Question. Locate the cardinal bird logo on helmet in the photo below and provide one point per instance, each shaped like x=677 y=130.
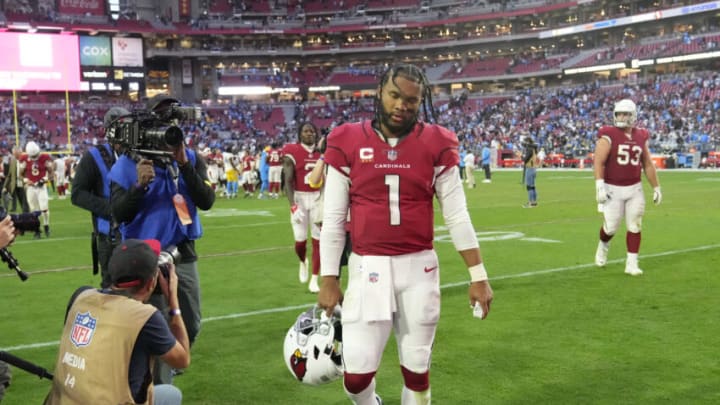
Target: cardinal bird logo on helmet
x=298 y=363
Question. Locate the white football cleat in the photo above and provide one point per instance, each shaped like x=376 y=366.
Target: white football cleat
x=601 y=254
x=633 y=269
x=378 y=399
x=303 y=271
x=313 y=286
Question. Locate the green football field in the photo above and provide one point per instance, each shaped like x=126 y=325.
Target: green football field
x=561 y=331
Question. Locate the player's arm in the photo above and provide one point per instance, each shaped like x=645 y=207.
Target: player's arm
x=451 y=196
x=332 y=237
x=651 y=174
x=288 y=173
x=649 y=167
x=317 y=175
x=600 y=156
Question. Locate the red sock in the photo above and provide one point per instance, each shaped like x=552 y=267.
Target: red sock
x=316 y=257
x=633 y=242
x=603 y=236
x=301 y=250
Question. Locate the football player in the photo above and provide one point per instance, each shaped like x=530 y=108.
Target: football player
x=274 y=160
x=621 y=154
x=37 y=169
x=299 y=159
x=386 y=172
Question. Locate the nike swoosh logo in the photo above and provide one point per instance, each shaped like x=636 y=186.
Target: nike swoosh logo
x=429 y=269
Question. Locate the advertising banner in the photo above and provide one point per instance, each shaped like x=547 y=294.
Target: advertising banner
x=81 y=7
x=95 y=51
x=127 y=52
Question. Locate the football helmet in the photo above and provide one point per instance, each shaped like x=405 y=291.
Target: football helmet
x=313 y=347
x=625 y=106
x=32 y=149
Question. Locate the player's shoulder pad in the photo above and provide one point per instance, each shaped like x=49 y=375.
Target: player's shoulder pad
x=343 y=134
x=438 y=135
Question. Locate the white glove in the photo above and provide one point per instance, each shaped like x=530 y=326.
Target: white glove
x=296 y=214
x=657 y=195
x=601 y=194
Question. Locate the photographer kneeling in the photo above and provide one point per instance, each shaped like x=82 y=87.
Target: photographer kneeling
x=157 y=188
x=111 y=335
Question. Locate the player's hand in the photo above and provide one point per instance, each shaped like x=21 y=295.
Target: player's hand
x=297 y=215
x=480 y=293
x=330 y=294
x=601 y=194
x=145 y=172
x=657 y=195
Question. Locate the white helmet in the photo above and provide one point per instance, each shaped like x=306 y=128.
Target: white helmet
x=32 y=149
x=313 y=347
x=625 y=106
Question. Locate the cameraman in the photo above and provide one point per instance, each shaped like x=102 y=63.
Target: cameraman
x=91 y=191
x=158 y=198
x=111 y=335
x=7 y=234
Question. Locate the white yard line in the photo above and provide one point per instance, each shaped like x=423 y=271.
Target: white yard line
x=449 y=285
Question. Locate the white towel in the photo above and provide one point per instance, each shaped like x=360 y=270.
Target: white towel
x=378 y=292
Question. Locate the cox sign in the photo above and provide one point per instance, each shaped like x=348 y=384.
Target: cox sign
x=95 y=51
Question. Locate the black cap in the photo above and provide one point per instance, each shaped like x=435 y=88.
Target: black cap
x=133 y=262
x=160 y=102
x=113 y=114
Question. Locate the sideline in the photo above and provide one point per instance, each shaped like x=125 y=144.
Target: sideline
x=444 y=286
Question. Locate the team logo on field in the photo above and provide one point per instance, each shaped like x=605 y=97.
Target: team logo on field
x=392 y=155
x=373 y=277
x=298 y=363
x=83 y=329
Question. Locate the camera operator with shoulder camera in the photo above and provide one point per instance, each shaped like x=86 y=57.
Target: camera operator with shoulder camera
x=7 y=234
x=157 y=187
x=91 y=191
x=111 y=335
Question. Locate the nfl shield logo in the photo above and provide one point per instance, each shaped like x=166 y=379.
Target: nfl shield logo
x=392 y=154
x=83 y=329
x=373 y=277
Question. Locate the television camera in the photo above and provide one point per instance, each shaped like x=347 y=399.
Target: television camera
x=151 y=132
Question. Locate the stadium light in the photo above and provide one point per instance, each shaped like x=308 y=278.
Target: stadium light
x=590 y=69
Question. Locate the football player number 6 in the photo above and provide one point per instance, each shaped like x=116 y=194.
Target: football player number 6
x=392 y=181
x=628 y=154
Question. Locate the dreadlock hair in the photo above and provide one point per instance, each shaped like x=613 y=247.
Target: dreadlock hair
x=302 y=125
x=414 y=74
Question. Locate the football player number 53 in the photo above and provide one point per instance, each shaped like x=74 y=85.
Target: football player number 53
x=392 y=181
x=628 y=154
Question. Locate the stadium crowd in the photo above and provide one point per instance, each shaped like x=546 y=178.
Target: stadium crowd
x=681 y=112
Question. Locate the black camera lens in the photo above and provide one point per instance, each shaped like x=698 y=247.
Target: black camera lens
x=168 y=135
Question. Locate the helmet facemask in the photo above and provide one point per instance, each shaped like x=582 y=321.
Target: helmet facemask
x=313 y=347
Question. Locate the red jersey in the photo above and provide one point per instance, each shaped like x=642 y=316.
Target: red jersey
x=274 y=157
x=304 y=161
x=624 y=163
x=36 y=169
x=248 y=163
x=391 y=188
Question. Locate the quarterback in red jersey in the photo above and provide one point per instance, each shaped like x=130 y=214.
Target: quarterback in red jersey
x=37 y=169
x=386 y=173
x=621 y=154
x=299 y=159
